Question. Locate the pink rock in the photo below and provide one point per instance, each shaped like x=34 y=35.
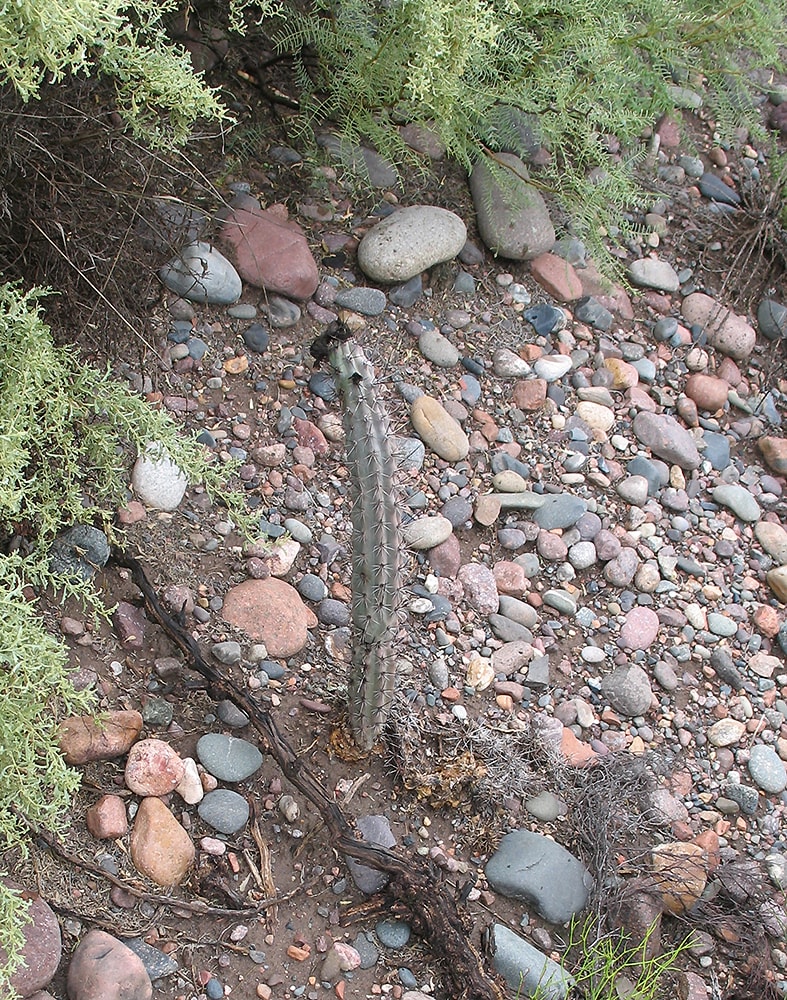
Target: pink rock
x=730 y=372
x=691 y=987
x=42 y=946
x=310 y=436
x=551 y=547
x=103 y=968
x=510 y=579
x=153 y=768
x=160 y=847
x=557 y=276
x=639 y=629
x=272 y=612
x=133 y=512
x=270 y=252
x=84 y=739
x=640 y=398
x=480 y=588
x=708 y=393
x=530 y=394
x=774 y=451
x=129 y=623
x=106 y=819
x=669 y=133
x=726 y=331
x=446 y=558
x=607 y=545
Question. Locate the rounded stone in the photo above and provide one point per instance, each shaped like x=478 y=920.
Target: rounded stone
x=227 y=757
x=160 y=847
x=628 y=690
x=409 y=241
x=224 y=810
x=739 y=500
x=438 y=349
x=438 y=429
x=640 y=628
x=157 y=480
x=272 y=612
x=103 y=968
x=426 y=532
x=725 y=732
x=41 y=948
x=726 y=331
x=650 y=272
x=392 y=933
x=153 y=768
x=708 y=393
x=767 y=769
x=201 y=274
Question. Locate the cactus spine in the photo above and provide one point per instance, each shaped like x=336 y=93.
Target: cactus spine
x=375 y=545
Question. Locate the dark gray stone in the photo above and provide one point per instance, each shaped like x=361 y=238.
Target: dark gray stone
x=767 y=769
x=157 y=964
x=227 y=757
x=224 y=810
x=80 y=551
x=717 y=450
x=559 y=510
x=713 y=187
x=526 y=969
x=374 y=830
x=772 y=319
x=408 y=294
x=392 y=933
x=529 y=867
x=589 y=310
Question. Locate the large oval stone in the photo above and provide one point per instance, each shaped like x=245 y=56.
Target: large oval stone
x=409 y=241
x=160 y=847
x=201 y=274
x=725 y=330
x=103 y=968
x=513 y=218
x=438 y=429
x=272 y=612
x=41 y=950
x=84 y=739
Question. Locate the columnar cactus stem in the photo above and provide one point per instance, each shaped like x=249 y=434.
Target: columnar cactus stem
x=375 y=545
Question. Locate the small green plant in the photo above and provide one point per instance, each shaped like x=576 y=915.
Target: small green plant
x=604 y=965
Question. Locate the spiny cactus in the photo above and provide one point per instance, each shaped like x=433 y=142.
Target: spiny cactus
x=375 y=539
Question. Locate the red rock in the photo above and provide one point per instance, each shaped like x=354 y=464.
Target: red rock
x=574 y=751
x=129 y=622
x=103 y=968
x=269 y=251
x=730 y=372
x=42 y=946
x=106 y=819
x=708 y=393
x=272 y=612
x=669 y=133
x=153 y=768
x=446 y=558
x=774 y=451
x=160 y=847
x=557 y=276
x=510 y=579
x=84 y=739
x=551 y=547
x=640 y=398
x=310 y=436
x=529 y=394
x=766 y=619
x=133 y=512
x=708 y=840
x=639 y=629
x=691 y=987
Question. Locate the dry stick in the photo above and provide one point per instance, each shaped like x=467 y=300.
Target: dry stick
x=433 y=912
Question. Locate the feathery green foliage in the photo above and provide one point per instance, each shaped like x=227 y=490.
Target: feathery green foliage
x=584 y=69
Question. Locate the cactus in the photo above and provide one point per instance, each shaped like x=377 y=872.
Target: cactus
x=375 y=541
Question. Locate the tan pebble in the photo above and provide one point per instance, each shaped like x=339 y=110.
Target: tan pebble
x=681 y=874
x=236 y=366
x=264 y=992
x=505 y=702
x=299 y=954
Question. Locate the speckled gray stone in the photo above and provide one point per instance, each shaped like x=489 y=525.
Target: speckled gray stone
x=224 y=810
x=767 y=769
x=227 y=757
x=526 y=969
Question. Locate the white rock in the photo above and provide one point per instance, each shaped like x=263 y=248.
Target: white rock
x=552 y=367
x=157 y=480
x=201 y=274
x=426 y=532
x=190 y=788
x=409 y=241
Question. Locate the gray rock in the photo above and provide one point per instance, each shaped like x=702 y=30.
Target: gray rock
x=559 y=510
x=561 y=600
x=80 y=551
x=409 y=241
x=408 y=294
x=513 y=219
x=426 y=532
x=224 y=810
x=438 y=349
x=392 y=933
x=744 y=796
x=628 y=690
x=582 y=555
x=767 y=769
x=201 y=274
x=366 y=949
x=656 y=473
x=518 y=611
x=507 y=630
x=281 y=312
x=231 y=715
x=529 y=867
x=374 y=830
x=157 y=480
x=772 y=319
x=526 y=969
x=713 y=187
x=507 y=364
x=366 y=301
x=546 y=807
x=738 y=499
x=364 y=162
x=298 y=530
x=589 y=310
x=408 y=453
x=717 y=450
x=458 y=510
x=157 y=964
x=333 y=612
x=552 y=367
x=227 y=757
x=228 y=653
x=722 y=663
x=667 y=439
x=312 y=588
x=722 y=625
x=649 y=272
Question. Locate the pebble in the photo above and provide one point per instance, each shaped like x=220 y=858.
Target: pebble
x=438 y=349
x=409 y=241
x=392 y=933
x=366 y=301
x=739 y=500
x=224 y=810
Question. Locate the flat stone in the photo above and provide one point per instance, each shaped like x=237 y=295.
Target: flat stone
x=767 y=769
x=157 y=964
x=438 y=349
x=557 y=276
x=201 y=274
x=681 y=874
x=392 y=933
x=272 y=612
x=270 y=251
x=409 y=241
x=650 y=272
x=512 y=216
x=546 y=807
x=507 y=364
x=374 y=830
x=224 y=810
x=530 y=395
x=722 y=625
x=103 y=968
x=366 y=301
x=438 y=429
x=526 y=970
x=726 y=732
x=773 y=538
x=589 y=310
x=628 y=690
x=84 y=739
x=726 y=331
x=713 y=187
x=559 y=510
x=227 y=757
x=772 y=319
x=739 y=500
x=426 y=532
x=532 y=868
x=667 y=439
x=552 y=367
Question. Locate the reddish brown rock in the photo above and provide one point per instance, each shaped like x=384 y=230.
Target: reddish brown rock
x=708 y=841
x=691 y=986
x=272 y=612
x=42 y=946
x=130 y=623
x=160 y=847
x=574 y=751
x=446 y=558
x=269 y=251
x=625 y=376
x=510 y=579
x=688 y=412
x=730 y=372
x=681 y=873
x=669 y=133
x=766 y=619
x=84 y=739
x=153 y=768
x=310 y=436
x=106 y=819
x=480 y=589
x=774 y=451
x=557 y=276
x=529 y=394
x=708 y=393
x=103 y=968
